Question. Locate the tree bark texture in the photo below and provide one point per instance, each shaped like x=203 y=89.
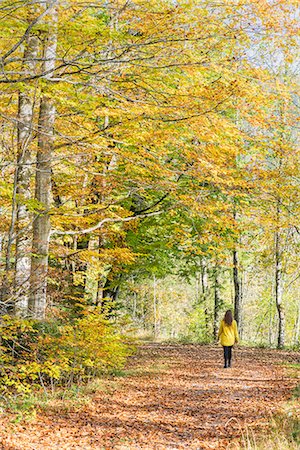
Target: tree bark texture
x=279 y=292
x=41 y=224
x=155 y=321
x=23 y=192
x=205 y=291
x=216 y=302
x=237 y=287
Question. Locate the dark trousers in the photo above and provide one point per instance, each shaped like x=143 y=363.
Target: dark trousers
x=227 y=355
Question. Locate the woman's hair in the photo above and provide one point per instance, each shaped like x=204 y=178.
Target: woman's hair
x=228 y=317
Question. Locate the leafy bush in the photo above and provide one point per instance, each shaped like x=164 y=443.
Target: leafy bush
x=47 y=353
x=296 y=391
x=197 y=330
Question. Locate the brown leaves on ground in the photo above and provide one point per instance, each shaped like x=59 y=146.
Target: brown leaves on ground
x=175 y=397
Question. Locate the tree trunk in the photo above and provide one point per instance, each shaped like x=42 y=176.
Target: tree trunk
x=297 y=326
x=237 y=287
x=216 y=302
x=99 y=297
x=41 y=224
x=1 y=239
x=236 y=279
x=279 y=292
x=23 y=240
x=5 y=292
x=134 y=305
x=270 y=334
x=111 y=291
x=155 y=322
x=204 y=288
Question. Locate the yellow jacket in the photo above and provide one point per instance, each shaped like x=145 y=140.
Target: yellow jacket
x=228 y=334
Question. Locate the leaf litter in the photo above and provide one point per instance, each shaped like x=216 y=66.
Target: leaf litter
x=173 y=397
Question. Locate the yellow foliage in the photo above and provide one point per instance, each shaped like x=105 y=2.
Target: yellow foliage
x=44 y=353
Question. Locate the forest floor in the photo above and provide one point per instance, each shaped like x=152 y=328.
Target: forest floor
x=169 y=397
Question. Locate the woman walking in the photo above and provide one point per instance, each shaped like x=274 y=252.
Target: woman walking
x=228 y=335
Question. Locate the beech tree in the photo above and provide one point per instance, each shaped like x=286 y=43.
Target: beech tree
x=23 y=178
x=129 y=125
x=41 y=222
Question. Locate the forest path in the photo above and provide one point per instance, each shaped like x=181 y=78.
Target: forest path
x=173 y=397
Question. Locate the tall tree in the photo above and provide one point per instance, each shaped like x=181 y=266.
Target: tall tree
x=41 y=223
x=27 y=98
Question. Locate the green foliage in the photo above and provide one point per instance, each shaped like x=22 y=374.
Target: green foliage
x=198 y=330
x=45 y=354
x=296 y=391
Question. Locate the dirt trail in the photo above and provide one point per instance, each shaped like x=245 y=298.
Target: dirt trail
x=176 y=397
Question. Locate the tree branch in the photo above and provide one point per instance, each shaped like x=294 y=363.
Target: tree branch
x=29 y=28
x=101 y=224
x=154 y=204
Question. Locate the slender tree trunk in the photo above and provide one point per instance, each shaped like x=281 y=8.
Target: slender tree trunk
x=99 y=297
x=237 y=287
x=89 y=273
x=155 y=323
x=5 y=287
x=271 y=318
x=24 y=170
x=297 y=326
x=216 y=302
x=279 y=292
x=1 y=239
x=204 y=288
x=197 y=287
x=134 y=305
x=242 y=294
x=1 y=257
x=41 y=225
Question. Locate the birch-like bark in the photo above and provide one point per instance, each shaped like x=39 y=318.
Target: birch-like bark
x=134 y=305
x=5 y=286
x=41 y=224
x=155 y=321
x=23 y=175
x=271 y=334
x=279 y=292
x=204 y=289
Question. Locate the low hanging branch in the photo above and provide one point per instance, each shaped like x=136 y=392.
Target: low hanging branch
x=102 y=223
x=28 y=30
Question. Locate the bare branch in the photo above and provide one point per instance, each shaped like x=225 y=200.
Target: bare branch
x=102 y=223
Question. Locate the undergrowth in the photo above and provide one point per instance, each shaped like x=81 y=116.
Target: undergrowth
x=49 y=360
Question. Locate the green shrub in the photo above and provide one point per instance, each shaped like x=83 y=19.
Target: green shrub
x=296 y=392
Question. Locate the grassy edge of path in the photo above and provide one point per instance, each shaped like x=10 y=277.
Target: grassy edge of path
x=284 y=427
